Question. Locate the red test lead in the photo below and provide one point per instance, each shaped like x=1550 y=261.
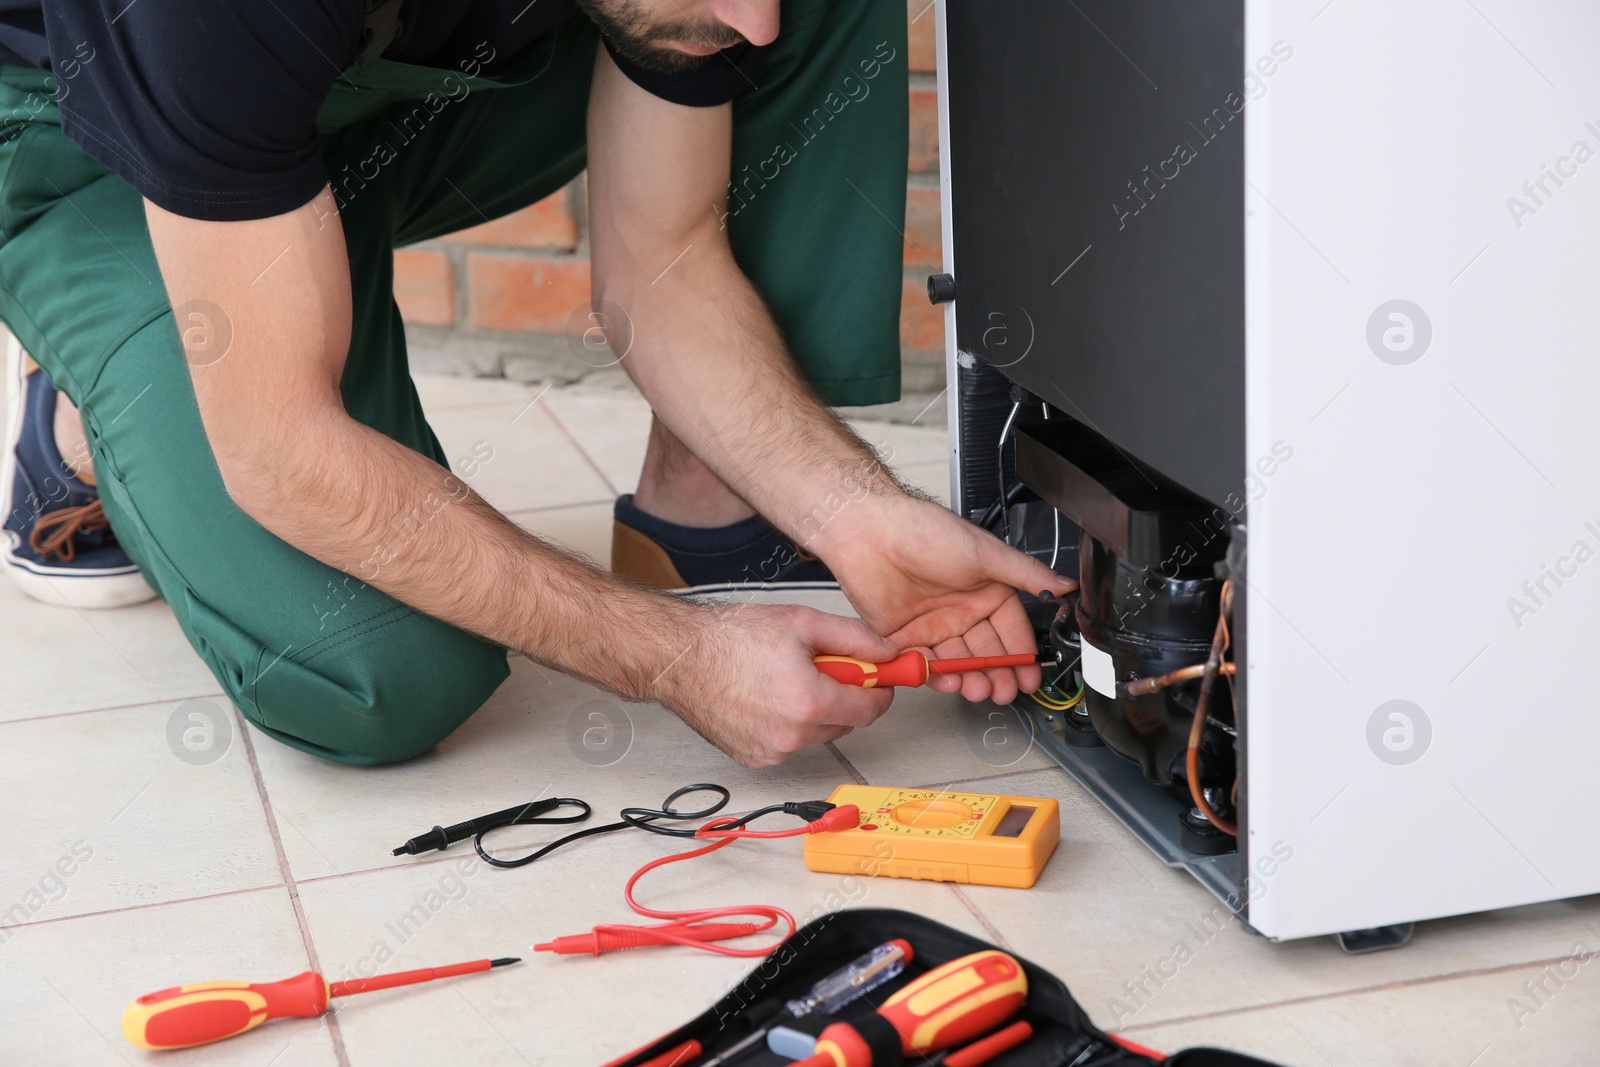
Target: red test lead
x=696 y=928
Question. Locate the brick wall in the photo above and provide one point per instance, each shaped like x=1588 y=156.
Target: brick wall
x=511 y=284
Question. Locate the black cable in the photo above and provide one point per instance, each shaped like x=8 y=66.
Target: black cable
x=1000 y=463
x=636 y=818
x=631 y=818
x=991 y=516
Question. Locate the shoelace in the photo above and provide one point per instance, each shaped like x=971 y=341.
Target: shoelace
x=53 y=533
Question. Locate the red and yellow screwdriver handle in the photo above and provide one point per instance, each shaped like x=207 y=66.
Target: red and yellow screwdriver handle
x=196 y=1014
x=945 y=1007
x=910 y=667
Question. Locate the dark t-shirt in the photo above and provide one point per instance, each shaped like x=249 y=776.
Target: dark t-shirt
x=209 y=109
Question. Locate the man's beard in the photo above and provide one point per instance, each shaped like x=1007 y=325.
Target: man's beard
x=633 y=34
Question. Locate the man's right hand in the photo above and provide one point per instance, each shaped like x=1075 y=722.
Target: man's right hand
x=745 y=680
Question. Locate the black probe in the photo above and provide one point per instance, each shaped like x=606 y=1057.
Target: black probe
x=444 y=836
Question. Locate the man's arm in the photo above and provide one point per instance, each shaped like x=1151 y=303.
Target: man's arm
x=710 y=359
x=293 y=459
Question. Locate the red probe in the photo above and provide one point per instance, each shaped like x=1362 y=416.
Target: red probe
x=910 y=667
x=691 y=928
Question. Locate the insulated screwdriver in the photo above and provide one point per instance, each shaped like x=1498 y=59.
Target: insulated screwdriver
x=947 y=1006
x=828 y=995
x=910 y=667
x=202 y=1012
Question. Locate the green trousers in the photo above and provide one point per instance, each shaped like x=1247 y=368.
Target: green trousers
x=308 y=654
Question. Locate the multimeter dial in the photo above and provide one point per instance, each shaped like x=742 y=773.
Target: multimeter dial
x=929 y=813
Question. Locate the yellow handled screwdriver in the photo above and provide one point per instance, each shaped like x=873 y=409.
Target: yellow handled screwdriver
x=202 y=1012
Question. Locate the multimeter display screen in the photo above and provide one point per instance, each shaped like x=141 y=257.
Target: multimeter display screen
x=1012 y=822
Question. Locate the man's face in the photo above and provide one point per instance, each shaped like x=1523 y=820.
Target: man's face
x=674 y=35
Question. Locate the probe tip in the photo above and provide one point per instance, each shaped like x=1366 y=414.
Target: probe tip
x=505 y=960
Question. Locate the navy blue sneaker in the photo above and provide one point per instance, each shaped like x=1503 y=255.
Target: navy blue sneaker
x=59 y=547
x=746 y=556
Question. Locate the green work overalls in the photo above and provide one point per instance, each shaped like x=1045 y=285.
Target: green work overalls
x=819 y=165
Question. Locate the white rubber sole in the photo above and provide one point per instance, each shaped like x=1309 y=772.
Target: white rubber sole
x=98 y=590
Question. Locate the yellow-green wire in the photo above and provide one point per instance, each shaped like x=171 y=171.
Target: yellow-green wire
x=1056 y=705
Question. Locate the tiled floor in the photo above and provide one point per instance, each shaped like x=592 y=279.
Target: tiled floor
x=128 y=869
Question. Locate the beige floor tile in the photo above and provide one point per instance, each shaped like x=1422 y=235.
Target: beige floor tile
x=517 y=457
x=1458 y=1022
x=542 y=734
x=560 y=1010
x=57 y=659
x=1139 y=943
x=65 y=984
x=901 y=445
x=611 y=426
x=933 y=738
x=583 y=528
x=105 y=795
x=445 y=392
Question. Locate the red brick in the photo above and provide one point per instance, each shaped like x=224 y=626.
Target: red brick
x=921 y=323
x=547 y=224
x=424 y=287
x=920 y=14
x=923 y=236
x=924 y=132
x=536 y=293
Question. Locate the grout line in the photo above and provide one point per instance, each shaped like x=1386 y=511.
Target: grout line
x=860 y=778
x=562 y=426
x=289 y=882
x=113 y=707
x=440 y=407
x=947 y=784
x=1311 y=998
x=445 y=856
x=542 y=509
x=143 y=907
x=983 y=920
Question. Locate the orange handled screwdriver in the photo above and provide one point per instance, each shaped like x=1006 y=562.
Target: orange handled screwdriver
x=945 y=1007
x=203 y=1012
x=910 y=668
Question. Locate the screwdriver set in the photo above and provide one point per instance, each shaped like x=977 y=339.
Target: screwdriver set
x=953 y=1001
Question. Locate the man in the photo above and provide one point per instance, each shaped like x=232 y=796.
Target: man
x=198 y=208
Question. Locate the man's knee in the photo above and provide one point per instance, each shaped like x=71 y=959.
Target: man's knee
x=389 y=693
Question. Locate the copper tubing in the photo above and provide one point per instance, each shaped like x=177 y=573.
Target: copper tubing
x=1142 y=686
x=1212 y=667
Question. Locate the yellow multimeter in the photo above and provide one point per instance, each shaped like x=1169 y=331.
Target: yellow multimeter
x=938 y=835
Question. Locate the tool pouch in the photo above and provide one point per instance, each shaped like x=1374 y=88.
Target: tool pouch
x=1063 y=1035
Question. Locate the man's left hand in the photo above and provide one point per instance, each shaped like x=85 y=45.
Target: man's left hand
x=924 y=577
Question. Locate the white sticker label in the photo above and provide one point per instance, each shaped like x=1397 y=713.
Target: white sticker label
x=1098 y=673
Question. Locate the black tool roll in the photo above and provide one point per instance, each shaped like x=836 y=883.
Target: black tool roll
x=1063 y=1035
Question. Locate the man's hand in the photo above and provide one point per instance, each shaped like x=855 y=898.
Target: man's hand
x=745 y=680
x=710 y=360
x=926 y=577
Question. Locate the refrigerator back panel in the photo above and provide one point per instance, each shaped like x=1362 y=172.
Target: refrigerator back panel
x=1096 y=169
